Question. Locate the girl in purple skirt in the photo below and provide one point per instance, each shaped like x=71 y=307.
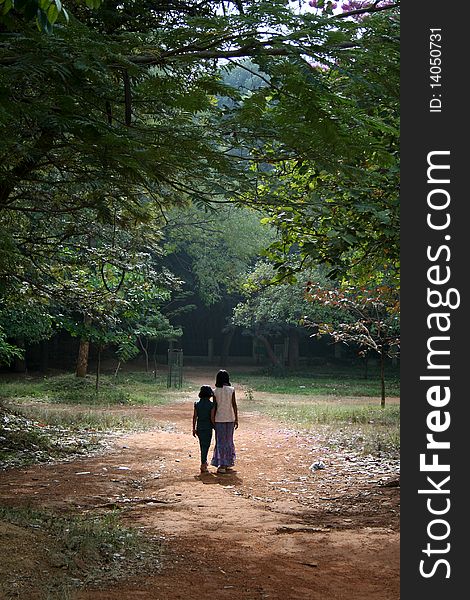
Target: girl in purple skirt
x=226 y=421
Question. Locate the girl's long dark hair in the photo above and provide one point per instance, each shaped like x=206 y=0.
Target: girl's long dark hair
x=222 y=379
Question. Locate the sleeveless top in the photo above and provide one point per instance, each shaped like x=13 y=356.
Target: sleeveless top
x=223 y=397
x=203 y=410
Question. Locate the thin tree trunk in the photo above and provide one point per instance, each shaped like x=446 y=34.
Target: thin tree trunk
x=83 y=352
x=145 y=351
x=270 y=352
x=366 y=366
x=293 y=352
x=98 y=369
x=154 y=357
x=228 y=337
x=382 y=379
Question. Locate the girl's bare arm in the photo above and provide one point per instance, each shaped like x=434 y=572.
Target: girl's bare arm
x=235 y=409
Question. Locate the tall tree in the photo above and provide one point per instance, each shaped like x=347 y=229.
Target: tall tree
x=369 y=319
x=113 y=118
x=334 y=195
x=212 y=247
x=280 y=311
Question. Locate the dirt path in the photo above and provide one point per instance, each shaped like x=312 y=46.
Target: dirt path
x=274 y=529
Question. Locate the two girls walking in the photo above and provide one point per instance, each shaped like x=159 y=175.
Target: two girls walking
x=223 y=417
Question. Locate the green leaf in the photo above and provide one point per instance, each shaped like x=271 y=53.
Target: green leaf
x=349 y=238
x=7 y=5
x=52 y=14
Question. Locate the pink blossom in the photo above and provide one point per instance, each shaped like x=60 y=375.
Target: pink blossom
x=349 y=5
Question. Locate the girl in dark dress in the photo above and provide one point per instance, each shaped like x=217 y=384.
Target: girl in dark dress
x=203 y=422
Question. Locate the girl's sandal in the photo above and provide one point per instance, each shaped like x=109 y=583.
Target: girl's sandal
x=221 y=470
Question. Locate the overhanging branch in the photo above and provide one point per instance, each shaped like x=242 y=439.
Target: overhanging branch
x=368 y=9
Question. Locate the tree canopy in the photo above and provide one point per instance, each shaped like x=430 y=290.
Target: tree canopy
x=213 y=248
x=114 y=113
x=279 y=311
x=334 y=197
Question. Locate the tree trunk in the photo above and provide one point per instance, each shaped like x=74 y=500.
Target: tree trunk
x=270 y=352
x=154 y=356
x=382 y=379
x=366 y=366
x=83 y=352
x=145 y=351
x=82 y=362
x=293 y=353
x=228 y=337
x=210 y=350
x=98 y=369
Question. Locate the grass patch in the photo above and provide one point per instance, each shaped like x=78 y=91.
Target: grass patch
x=145 y=389
x=124 y=389
x=365 y=429
x=68 y=389
x=89 y=420
x=25 y=441
x=22 y=388
x=75 y=418
x=338 y=382
x=76 y=551
x=369 y=439
x=307 y=414
x=33 y=434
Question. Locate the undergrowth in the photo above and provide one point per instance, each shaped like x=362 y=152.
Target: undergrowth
x=76 y=551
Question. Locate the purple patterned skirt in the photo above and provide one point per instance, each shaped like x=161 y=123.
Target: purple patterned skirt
x=224 y=451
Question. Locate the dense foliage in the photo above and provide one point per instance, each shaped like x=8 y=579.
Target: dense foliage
x=116 y=114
